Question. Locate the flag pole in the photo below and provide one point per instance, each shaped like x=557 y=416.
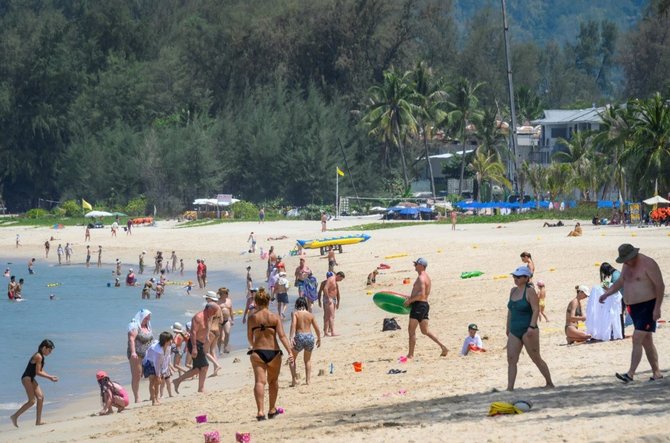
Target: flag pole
x=337 y=194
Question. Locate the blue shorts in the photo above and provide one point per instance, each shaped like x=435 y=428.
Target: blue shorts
x=282 y=298
x=148 y=369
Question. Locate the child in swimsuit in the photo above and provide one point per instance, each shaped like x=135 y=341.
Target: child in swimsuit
x=34 y=368
x=301 y=337
x=112 y=394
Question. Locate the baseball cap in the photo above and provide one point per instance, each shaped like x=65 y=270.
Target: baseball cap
x=421 y=261
x=522 y=271
x=473 y=326
x=100 y=375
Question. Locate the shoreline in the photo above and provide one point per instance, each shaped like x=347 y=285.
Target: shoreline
x=436 y=396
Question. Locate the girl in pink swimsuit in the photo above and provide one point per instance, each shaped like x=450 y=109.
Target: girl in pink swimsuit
x=112 y=394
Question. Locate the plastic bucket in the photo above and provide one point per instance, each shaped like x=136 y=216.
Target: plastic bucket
x=358 y=366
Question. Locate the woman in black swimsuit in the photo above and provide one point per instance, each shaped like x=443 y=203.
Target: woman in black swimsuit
x=263 y=327
x=35 y=367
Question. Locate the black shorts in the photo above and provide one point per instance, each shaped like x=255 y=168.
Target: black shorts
x=643 y=315
x=201 y=360
x=282 y=298
x=419 y=310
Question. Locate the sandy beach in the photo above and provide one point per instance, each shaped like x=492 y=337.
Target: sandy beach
x=437 y=399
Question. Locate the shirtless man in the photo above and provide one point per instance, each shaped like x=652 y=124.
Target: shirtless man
x=196 y=345
x=214 y=335
x=88 y=256
x=87 y=234
x=47 y=246
x=419 y=313
x=574 y=314
x=141 y=260
x=643 y=289
x=331 y=259
x=272 y=262
x=99 y=255
x=323 y=222
x=227 y=319
x=331 y=303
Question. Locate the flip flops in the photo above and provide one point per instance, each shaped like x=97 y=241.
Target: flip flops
x=655 y=378
x=625 y=378
x=395 y=371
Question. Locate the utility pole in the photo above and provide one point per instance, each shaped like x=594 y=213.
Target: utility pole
x=510 y=85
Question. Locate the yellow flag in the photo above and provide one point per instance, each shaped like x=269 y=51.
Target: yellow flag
x=339 y=172
x=86 y=205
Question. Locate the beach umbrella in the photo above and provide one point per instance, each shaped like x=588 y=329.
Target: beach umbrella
x=98 y=214
x=655 y=200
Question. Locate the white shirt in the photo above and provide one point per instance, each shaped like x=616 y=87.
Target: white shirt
x=476 y=340
x=158 y=358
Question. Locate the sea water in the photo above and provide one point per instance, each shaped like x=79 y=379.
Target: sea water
x=87 y=321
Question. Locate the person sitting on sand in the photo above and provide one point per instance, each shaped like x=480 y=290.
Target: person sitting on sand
x=473 y=342
x=301 y=338
x=35 y=367
x=577 y=232
x=574 y=314
x=113 y=395
x=372 y=277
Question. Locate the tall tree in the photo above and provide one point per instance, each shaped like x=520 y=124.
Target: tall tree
x=391 y=114
x=431 y=99
x=488 y=169
x=464 y=110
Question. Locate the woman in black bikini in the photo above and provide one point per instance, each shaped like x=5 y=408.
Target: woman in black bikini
x=35 y=367
x=263 y=327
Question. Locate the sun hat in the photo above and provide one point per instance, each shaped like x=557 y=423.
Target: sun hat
x=421 y=261
x=100 y=375
x=473 y=326
x=626 y=252
x=177 y=327
x=522 y=271
x=585 y=289
x=211 y=295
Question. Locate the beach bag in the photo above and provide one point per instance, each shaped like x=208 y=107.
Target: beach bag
x=390 y=325
x=309 y=288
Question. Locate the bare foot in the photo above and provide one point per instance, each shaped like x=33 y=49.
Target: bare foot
x=120 y=409
x=40 y=423
x=549 y=386
x=444 y=353
x=176 y=386
x=14 y=420
x=293 y=384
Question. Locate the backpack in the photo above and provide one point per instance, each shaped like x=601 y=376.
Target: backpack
x=390 y=324
x=309 y=288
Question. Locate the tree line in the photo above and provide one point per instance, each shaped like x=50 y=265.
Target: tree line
x=175 y=100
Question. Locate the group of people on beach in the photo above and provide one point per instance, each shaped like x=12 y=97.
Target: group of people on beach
x=187 y=351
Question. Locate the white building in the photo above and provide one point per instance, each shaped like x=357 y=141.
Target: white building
x=560 y=123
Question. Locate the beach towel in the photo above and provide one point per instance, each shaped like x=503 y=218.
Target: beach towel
x=310 y=288
x=603 y=319
x=500 y=407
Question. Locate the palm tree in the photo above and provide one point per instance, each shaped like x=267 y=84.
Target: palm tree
x=430 y=98
x=649 y=153
x=610 y=141
x=391 y=114
x=578 y=153
x=490 y=134
x=488 y=169
x=537 y=178
x=559 y=179
x=528 y=105
x=464 y=109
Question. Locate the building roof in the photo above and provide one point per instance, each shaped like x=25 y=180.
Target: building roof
x=554 y=116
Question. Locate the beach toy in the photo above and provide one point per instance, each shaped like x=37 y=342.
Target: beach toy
x=242 y=437
x=500 y=276
x=500 y=407
x=396 y=256
x=201 y=418
x=383 y=266
x=596 y=264
x=358 y=366
x=280 y=410
x=471 y=274
x=369 y=293
x=53 y=285
x=402 y=359
x=391 y=302
x=405 y=281
x=212 y=437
